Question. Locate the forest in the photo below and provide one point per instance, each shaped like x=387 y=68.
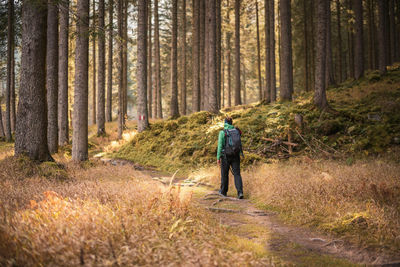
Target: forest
x=112 y=114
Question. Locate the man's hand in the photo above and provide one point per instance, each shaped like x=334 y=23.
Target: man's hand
x=219 y=162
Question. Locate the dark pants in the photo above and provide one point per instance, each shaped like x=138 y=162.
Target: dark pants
x=226 y=163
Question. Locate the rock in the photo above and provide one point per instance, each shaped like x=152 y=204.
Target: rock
x=374 y=117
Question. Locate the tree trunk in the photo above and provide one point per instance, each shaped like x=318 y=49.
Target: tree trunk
x=183 y=60
x=143 y=121
x=63 y=129
x=10 y=51
x=80 y=117
x=286 y=67
x=120 y=70
x=382 y=41
x=272 y=51
x=258 y=55
x=94 y=64
x=52 y=76
x=125 y=61
x=1 y=124
x=238 y=100
x=350 y=40
x=101 y=79
x=306 y=56
x=12 y=80
x=392 y=30
x=31 y=127
x=267 y=28
x=196 y=56
x=149 y=65
x=339 y=45
x=206 y=55
x=218 y=50
x=110 y=61
x=330 y=78
x=359 y=40
x=174 y=111
x=212 y=58
x=320 y=72
x=228 y=57
x=157 y=60
x=244 y=85
x=202 y=55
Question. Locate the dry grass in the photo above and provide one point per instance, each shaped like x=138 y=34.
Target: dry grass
x=103 y=216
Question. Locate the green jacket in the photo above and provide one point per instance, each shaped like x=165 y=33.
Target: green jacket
x=221 y=139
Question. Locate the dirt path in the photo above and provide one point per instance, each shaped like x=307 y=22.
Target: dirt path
x=292 y=245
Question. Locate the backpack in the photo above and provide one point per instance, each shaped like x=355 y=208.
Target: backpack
x=233 y=144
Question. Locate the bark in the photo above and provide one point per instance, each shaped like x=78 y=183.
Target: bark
x=382 y=41
x=149 y=64
x=238 y=100
x=228 y=57
x=52 y=76
x=10 y=55
x=31 y=127
x=94 y=64
x=359 y=40
x=143 y=121
x=183 y=60
x=12 y=80
x=202 y=55
x=1 y=124
x=244 y=85
x=306 y=56
x=206 y=56
x=196 y=56
x=80 y=115
x=63 y=129
x=258 y=55
x=272 y=51
x=267 y=28
x=174 y=111
x=101 y=78
x=371 y=35
x=320 y=72
x=339 y=46
x=218 y=50
x=110 y=61
x=286 y=67
x=157 y=60
x=330 y=78
x=392 y=29
x=350 y=40
x=212 y=55
x=125 y=60
x=120 y=71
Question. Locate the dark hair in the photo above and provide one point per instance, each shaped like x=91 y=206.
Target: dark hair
x=228 y=120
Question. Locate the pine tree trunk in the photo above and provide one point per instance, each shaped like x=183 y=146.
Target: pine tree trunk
x=392 y=30
x=196 y=56
x=312 y=46
x=272 y=51
x=183 y=60
x=202 y=55
x=80 y=116
x=101 y=79
x=206 y=56
x=110 y=61
x=382 y=46
x=258 y=56
x=157 y=60
x=120 y=70
x=238 y=100
x=52 y=76
x=218 y=50
x=142 y=113
x=31 y=127
x=267 y=28
x=1 y=124
x=330 y=78
x=149 y=65
x=286 y=67
x=244 y=85
x=125 y=61
x=359 y=40
x=228 y=57
x=12 y=82
x=174 y=111
x=339 y=45
x=306 y=56
x=212 y=58
x=10 y=45
x=350 y=40
x=94 y=27
x=320 y=72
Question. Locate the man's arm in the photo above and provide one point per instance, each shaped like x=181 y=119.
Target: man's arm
x=221 y=142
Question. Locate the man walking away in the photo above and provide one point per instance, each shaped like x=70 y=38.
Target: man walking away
x=228 y=157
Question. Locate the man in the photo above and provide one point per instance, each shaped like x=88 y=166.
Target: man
x=228 y=157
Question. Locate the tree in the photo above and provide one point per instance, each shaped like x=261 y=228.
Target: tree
x=110 y=61
x=174 y=111
x=286 y=65
x=120 y=70
x=339 y=46
x=52 y=76
x=238 y=100
x=10 y=56
x=212 y=56
x=258 y=55
x=372 y=55
x=272 y=51
x=143 y=121
x=329 y=77
x=149 y=64
x=268 y=35
x=306 y=48
x=125 y=60
x=1 y=124
x=218 y=50
x=183 y=60
x=202 y=55
x=80 y=117
x=228 y=57
x=320 y=60
x=359 y=40
x=392 y=30
x=382 y=41
x=196 y=55
x=157 y=66
x=31 y=127
x=94 y=64
x=101 y=79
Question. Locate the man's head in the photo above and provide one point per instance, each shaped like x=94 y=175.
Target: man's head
x=228 y=120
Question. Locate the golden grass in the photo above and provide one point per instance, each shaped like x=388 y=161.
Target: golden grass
x=102 y=216
x=360 y=202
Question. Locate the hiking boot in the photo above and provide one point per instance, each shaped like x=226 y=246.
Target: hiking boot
x=221 y=194
x=240 y=196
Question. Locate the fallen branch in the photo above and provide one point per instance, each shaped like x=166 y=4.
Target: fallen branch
x=221 y=210
x=279 y=141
